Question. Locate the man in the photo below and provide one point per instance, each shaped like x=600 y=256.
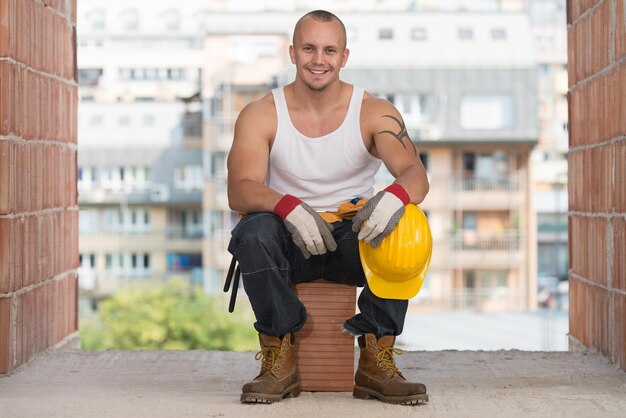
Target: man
x=298 y=154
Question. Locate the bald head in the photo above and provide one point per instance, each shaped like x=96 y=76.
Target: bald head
x=320 y=16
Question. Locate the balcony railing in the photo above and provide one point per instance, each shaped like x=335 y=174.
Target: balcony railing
x=481 y=299
x=477 y=240
x=486 y=184
x=221 y=130
x=188 y=232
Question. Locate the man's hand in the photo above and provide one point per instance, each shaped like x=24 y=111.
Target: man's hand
x=380 y=214
x=308 y=230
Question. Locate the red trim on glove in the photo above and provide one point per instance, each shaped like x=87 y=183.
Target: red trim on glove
x=399 y=192
x=285 y=205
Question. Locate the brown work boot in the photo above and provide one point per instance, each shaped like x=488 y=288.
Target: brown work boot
x=278 y=377
x=379 y=377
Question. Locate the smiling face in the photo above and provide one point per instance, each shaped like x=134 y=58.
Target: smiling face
x=319 y=51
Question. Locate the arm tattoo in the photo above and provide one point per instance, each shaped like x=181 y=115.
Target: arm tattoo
x=401 y=134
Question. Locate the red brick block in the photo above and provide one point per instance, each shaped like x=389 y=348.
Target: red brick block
x=38 y=35
x=324 y=354
x=616 y=112
x=6 y=352
x=4 y=28
x=5 y=255
x=589 y=315
x=7 y=173
x=5 y=96
x=575 y=106
x=619 y=340
x=591 y=43
x=590 y=177
x=588 y=248
x=620 y=176
x=577 y=7
x=619 y=253
x=620 y=30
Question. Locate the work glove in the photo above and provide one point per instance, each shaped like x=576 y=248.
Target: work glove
x=380 y=215
x=308 y=230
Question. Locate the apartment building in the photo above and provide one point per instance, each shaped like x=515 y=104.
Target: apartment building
x=140 y=163
x=466 y=86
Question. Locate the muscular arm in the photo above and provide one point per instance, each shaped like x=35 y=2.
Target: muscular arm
x=249 y=157
x=391 y=143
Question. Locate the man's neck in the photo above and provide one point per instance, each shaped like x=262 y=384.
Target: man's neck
x=316 y=99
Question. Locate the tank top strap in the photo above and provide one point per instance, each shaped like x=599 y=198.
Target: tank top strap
x=354 y=112
x=280 y=103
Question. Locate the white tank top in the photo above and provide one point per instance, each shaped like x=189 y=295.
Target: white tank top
x=325 y=171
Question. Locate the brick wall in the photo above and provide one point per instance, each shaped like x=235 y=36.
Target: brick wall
x=38 y=203
x=597 y=174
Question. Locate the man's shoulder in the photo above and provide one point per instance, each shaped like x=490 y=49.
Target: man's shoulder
x=375 y=112
x=376 y=104
x=259 y=108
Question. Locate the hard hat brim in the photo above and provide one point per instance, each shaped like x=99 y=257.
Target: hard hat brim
x=392 y=289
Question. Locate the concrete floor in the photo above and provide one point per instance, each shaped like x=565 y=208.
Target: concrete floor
x=75 y=383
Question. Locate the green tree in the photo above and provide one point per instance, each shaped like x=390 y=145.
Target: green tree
x=176 y=316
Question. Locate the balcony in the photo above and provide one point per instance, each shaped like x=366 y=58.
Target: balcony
x=192 y=129
x=484 y=249
x=487 y=193
x=220 y=132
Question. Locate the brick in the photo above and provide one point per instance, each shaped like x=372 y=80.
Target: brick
x=5 y=254
x=620 y=176
x=619 y=336
x=12 y=41
x=619 y=253
x=588 y=248
x=620 y=29
x=328 y=306
x=4 y=28
x=589 y=315
x=6 y=177
x=37 y=35
x=5 y=97
x=5 y=335
x=590 y=178
x=577 y=7
x=616 y=96
x=591 y=43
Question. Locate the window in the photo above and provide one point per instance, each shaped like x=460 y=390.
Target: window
x=89 y=76
x=418 y=34
x=148 y=120
x=188 y=177
x=130 y=19
x=466 y=33
x=124 y=120
x=498 y=34
x=97 y=19
x=486 y=111
x=171 y=19
x=385 y=34
x=351 y=34
x=96 y=120
x=88 y=221
x=87 y=261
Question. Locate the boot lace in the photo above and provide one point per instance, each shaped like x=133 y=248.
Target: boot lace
x=271 y=359
x=386 y=360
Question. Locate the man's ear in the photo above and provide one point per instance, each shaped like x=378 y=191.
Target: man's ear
x=292 y=54
x=346 y=54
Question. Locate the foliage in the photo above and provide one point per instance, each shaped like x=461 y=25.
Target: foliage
x=177 y=316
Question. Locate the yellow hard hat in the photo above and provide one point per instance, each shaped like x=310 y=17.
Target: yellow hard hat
x=397 y=267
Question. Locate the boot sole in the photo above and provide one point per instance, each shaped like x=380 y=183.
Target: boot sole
x=267 y=398
x=361 y=392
